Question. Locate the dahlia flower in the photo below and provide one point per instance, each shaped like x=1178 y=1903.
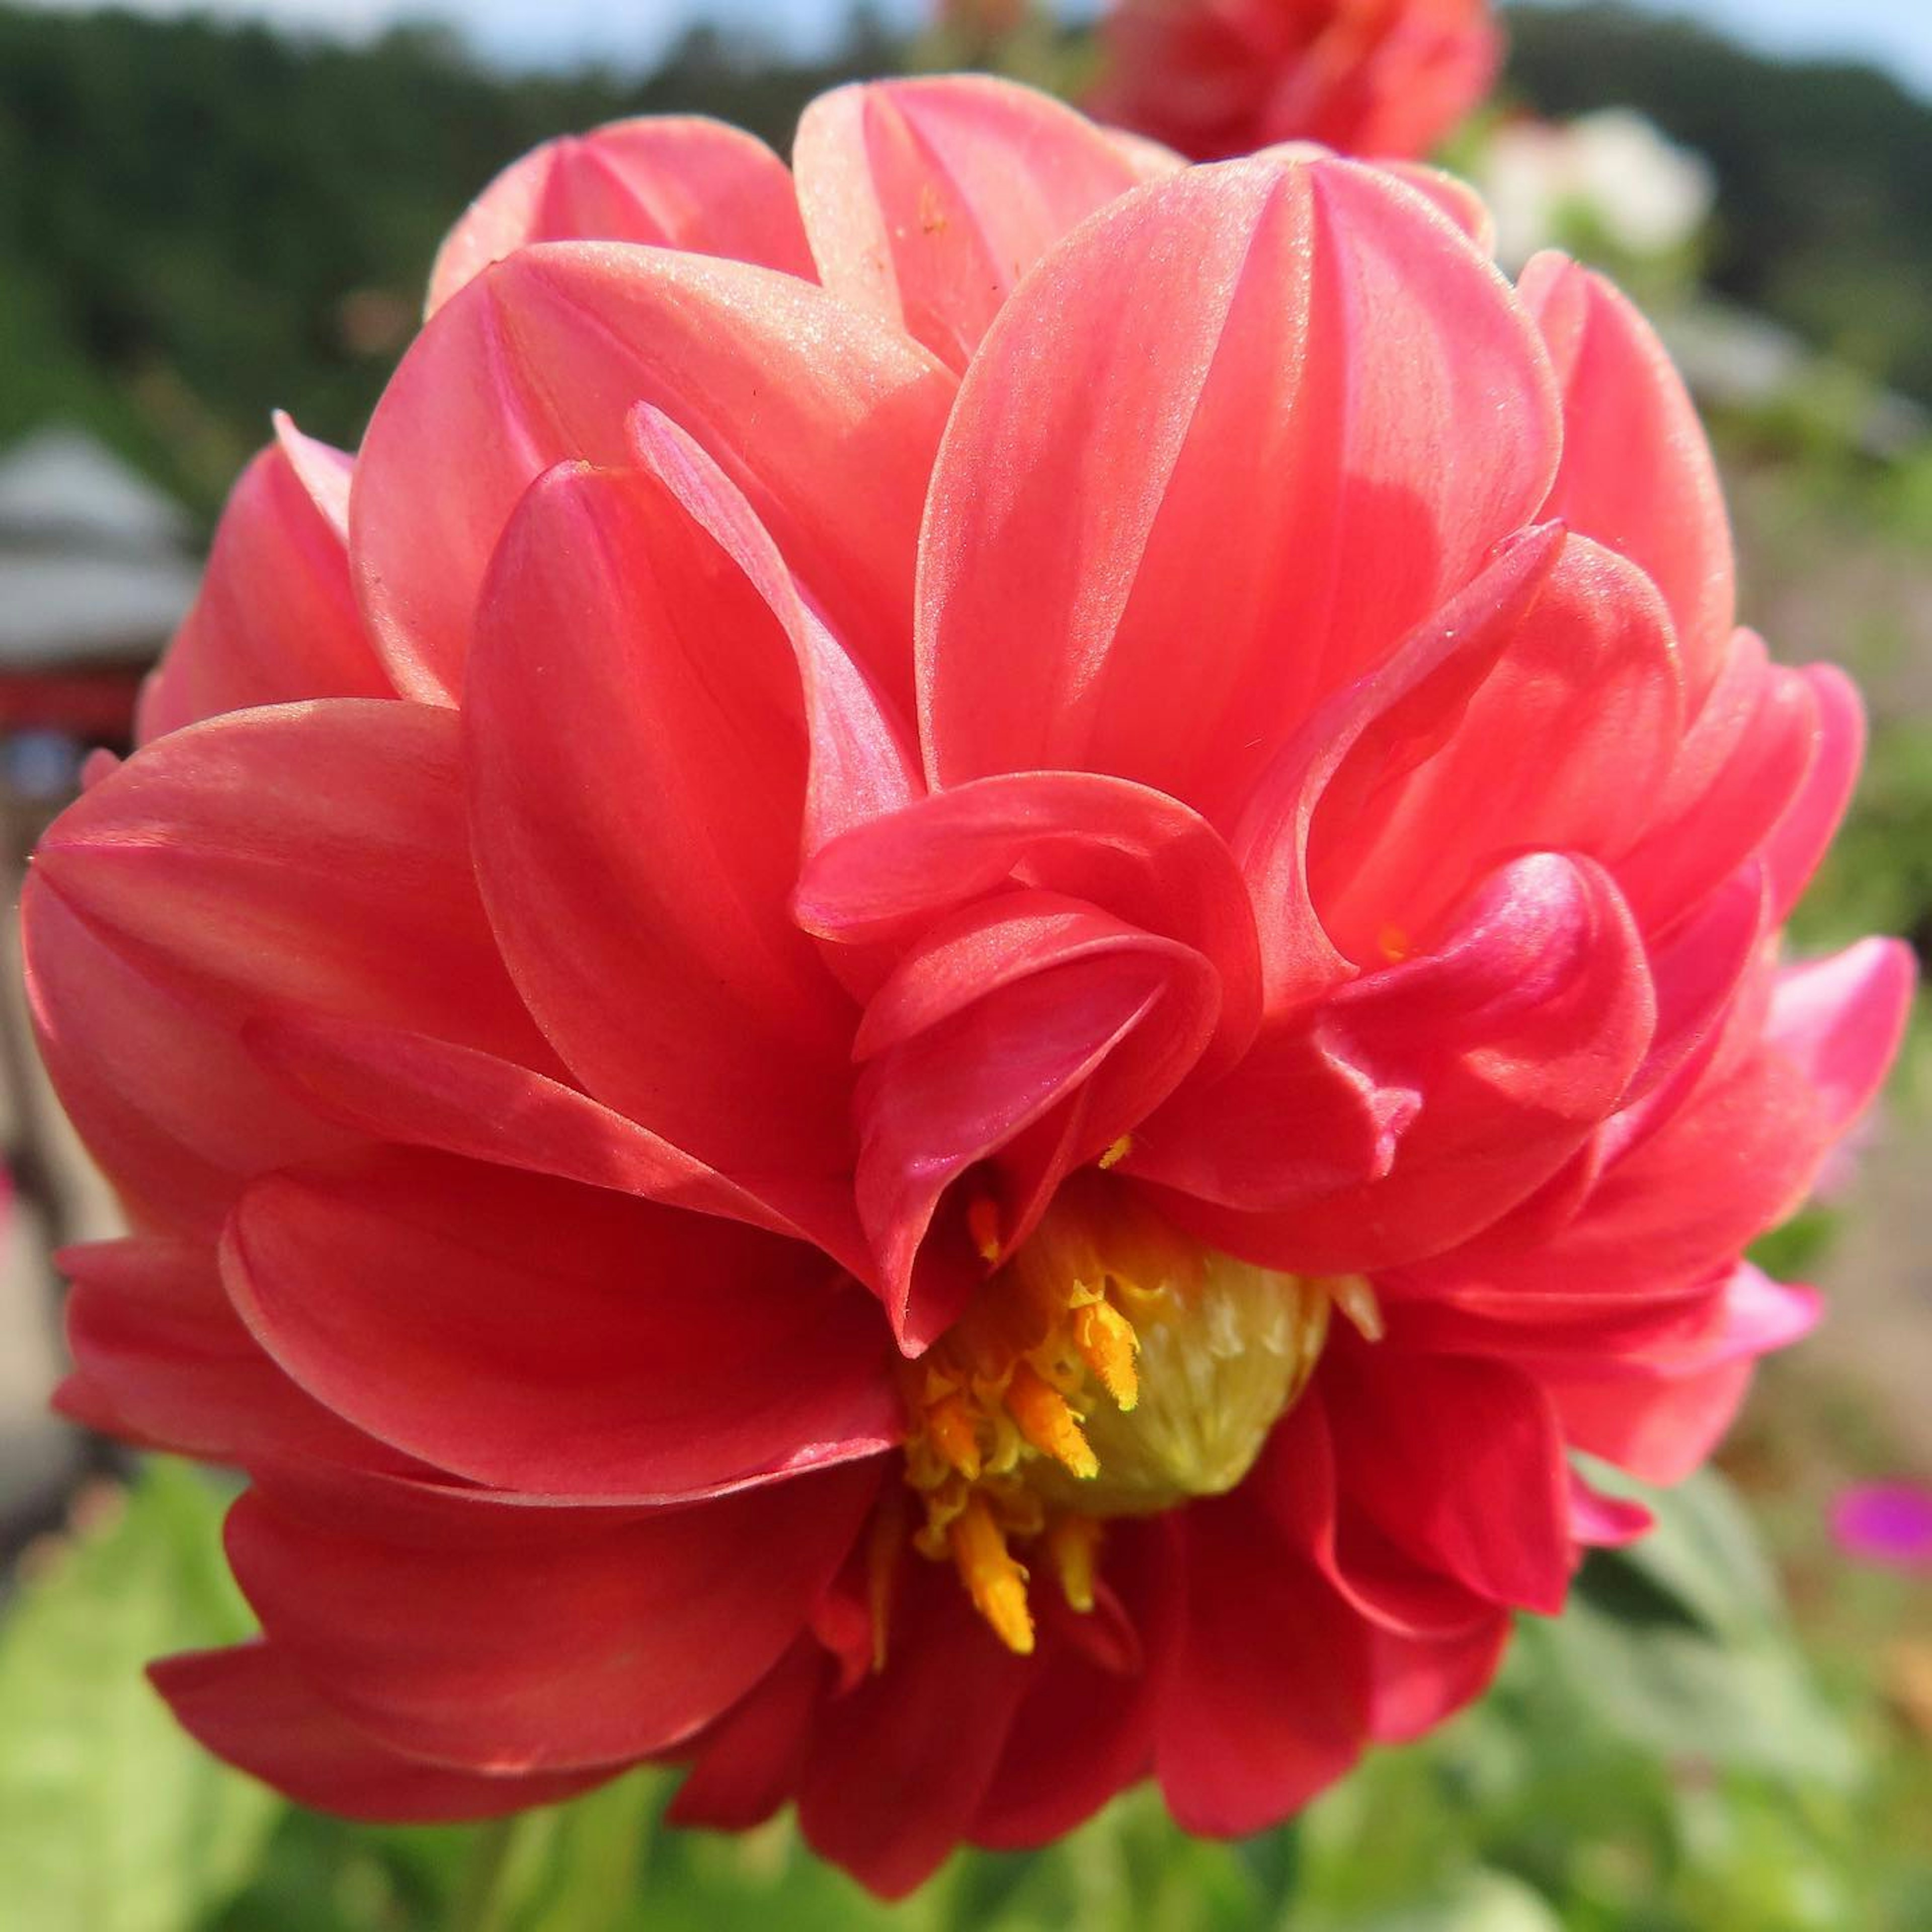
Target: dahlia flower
x=920 y=1008
x=1217 y=78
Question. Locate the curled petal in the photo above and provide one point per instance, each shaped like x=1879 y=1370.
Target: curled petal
x=1031 y=1010
x=1580 y=715
x=1498 y=1055
x=1138 y=854
x=674 y=181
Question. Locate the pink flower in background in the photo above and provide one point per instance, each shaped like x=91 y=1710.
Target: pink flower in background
x=985 y=944
x=1885 y=1523
x=1215 y=78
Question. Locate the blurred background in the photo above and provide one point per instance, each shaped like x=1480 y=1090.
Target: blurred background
x=207 y=212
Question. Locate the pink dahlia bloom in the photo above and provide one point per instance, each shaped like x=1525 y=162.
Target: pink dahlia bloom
x=922 y=1006
x=1217 y=78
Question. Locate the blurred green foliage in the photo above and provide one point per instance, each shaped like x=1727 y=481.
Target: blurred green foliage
x=1661 y=1759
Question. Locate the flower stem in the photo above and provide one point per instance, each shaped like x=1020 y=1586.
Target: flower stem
x=481 y=1898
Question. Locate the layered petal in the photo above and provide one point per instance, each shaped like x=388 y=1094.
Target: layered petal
x=161 y=1356
x=674 y=181
x=1637 y=475
x=658 y=772
x=1332 y=360
x=505 y=1639
x=1032 y=1012
x=276 y=619
x=1495 y=1056
x=309 y=857
x=927 y=200
x=1264 y=1700
x=934 y=1722
x=249 y=1705
x=534 y=1335
x=825 y=418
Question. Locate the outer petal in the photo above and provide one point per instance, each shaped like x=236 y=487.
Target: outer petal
x=1840 y=1020
x=638 y=799
x=898 y=1766
x=1741 y=770
x=1460 y=1461
x=676 y=181
x=504 y=1639
x=1660 y=1412
x=176 y=1111
x=409 y=1089
x=1265 y=1698
x=303 y=857
x=161 y=1357
x=927 y=200
x=827 y=420
x=276 y=619
x=534 y=1335
x=1637 y=473
x=1416 y=1684
x=1222 y=357
x=1798 y=844
x=249 y=1705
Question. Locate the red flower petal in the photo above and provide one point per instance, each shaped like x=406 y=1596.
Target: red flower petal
x=276 y=619
x=536 y=1335
x=927 y=200
x=499 y=1638
x=249 y=1705
x=638 y=809
x=673 y=181
x=1136 y=434
x=827 y=421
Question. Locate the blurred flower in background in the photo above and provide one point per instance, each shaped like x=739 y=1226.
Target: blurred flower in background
x=1608 y=185
x=1214 y=78
x=1886 y=1523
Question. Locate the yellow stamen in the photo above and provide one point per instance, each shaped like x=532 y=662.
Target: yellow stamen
x=996 y=1583
x=1048 y=1422
x=1357 y=1300
x=1107 y=1343
x=1395 y=944
x=1118 y=1153
x=1072 y=1544
x=983 y=1223
x=950 y=1423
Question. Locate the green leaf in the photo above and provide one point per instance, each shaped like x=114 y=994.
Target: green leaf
x=111 y=1819
x=1680 y=1643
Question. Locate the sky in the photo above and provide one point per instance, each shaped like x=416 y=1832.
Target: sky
x=1896 y=34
